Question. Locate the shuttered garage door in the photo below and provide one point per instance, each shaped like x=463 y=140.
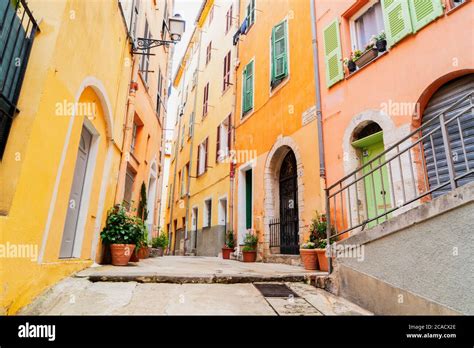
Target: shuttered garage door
x=459 y=93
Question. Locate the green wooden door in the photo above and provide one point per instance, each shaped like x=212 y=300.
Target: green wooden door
x=377 y=184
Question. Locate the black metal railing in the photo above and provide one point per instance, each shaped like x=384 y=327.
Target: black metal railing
x=429 y=161
x=284 y=235
x=17 y=31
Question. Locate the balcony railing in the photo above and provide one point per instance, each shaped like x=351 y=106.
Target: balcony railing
x=17 y=31
x=428 y=162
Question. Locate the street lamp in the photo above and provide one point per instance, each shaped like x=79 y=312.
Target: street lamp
x=175 y=26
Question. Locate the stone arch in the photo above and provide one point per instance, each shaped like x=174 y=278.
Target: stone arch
x=431 y=89
x=271 y=184
x=99 y=89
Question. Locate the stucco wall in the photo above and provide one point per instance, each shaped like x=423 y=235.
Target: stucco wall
x=210 y=241
x=424 y=267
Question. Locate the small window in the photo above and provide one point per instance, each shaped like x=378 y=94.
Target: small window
x=134 y=138
x=226 y=76
x=207 y=213
x=223 y=139
x=183 y=134
x=456 y=3
x=208 y=52
x=367 y=25
x=145 y=58
x=251 y=12
x=129 y=181
x=205 y=100
x=202 y=158
x=228 y=20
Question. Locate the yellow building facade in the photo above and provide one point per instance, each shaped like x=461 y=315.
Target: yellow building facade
x=200 y=192
x=68 y=128
x=278 y=182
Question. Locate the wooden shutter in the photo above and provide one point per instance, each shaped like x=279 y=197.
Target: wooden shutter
x=229 y=133
x=279 y=52
x=244 y=91
x=248 y=87
x=218 y=141
x=424 y=11
x=333 y=53
x=198 y=159
x=205 y=154
x=396 y=16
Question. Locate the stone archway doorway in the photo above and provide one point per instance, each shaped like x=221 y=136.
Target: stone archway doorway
x=289 y=222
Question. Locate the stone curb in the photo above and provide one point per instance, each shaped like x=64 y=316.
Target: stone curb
x=210 y=279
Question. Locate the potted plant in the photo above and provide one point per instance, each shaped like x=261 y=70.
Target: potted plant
x=228 y=248
x=321 y=254
x=160 y=243
x=349 y=62
x=309 y=256
x=370 y=53
x=381 y=42
x=143 y=249
x=121 y=234
x=318 y=236
x=249 y=251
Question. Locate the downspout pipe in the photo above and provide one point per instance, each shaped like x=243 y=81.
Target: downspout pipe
x=317 y=82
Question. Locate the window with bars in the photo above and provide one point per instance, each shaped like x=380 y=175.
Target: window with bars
x=134 y=138
x=228 y=19
x=205 y=100
x=226 y=75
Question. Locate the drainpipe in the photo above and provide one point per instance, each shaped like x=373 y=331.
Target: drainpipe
x=127 y=132
x=322 y=163
x=188 y=183
x=176 y=155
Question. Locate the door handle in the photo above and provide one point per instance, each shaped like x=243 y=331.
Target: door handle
x=383 y=192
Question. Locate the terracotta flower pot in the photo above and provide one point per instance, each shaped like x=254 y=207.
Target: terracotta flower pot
x=366 y=57
x=121 y=253
x=134 y=257
x=143 y=253
x=226 y=253
x=309 y=259
x=159 y=251
x=249 y=256
x=322 y=259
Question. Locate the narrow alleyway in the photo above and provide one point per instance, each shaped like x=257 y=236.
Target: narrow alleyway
x=190 y=286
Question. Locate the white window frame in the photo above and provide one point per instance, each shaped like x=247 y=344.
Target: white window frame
x=205 y=217
x=355 y=17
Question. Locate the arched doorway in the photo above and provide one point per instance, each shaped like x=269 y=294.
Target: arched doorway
x=288 y=188
x=452 y=102
x=368 y=140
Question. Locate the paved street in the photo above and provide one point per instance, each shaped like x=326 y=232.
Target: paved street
x=189 y=286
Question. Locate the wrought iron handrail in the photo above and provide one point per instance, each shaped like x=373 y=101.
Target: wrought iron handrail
x=341 y=190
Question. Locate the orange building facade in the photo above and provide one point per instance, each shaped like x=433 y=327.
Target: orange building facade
x=425 y=73
x=143 y=149
x=276 y=183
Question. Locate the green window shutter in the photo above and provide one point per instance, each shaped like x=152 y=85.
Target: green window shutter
x=244 y=90
x=396 y=16
x=333 y=53
x=248 y=88
x=279 y=52
x=424 y=11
